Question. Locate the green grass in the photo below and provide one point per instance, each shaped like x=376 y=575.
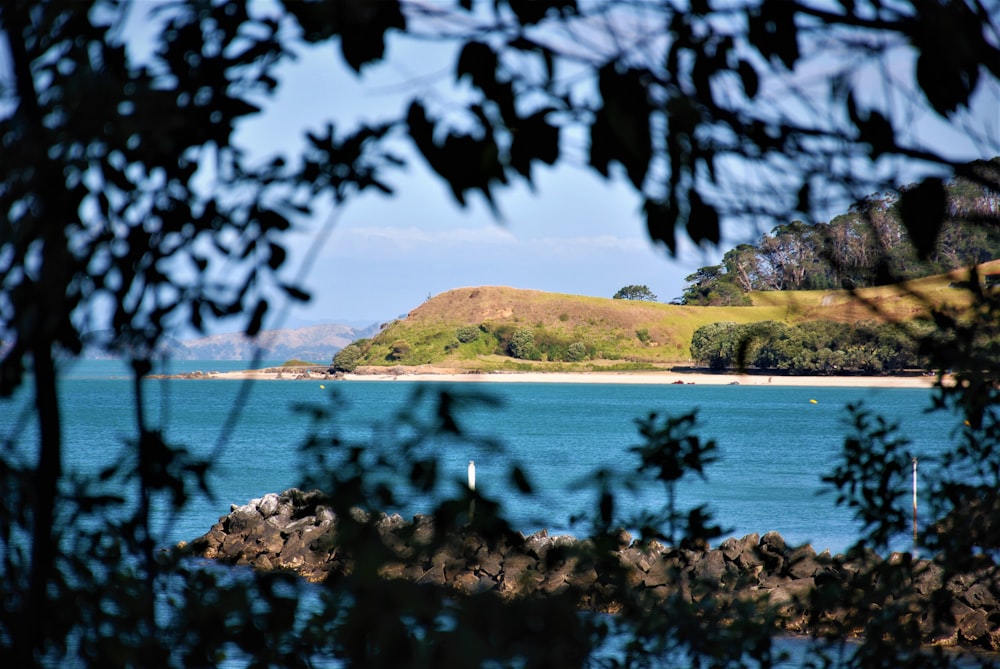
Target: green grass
x=609 y=328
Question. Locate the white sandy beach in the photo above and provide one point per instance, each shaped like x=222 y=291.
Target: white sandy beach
x=652 y=377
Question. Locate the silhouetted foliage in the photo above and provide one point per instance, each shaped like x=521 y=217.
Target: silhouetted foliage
x=127 y=206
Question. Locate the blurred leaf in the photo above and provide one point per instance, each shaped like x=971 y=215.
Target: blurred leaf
x=661 y=221
x=703 y=221
x=520 y=480
x=257 y=318
x=773 y=31
x=530 y=12
x=748 y=75
x=479 y=62
x=923 y=209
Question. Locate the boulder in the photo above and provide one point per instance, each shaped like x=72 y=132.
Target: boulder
x=298 y=531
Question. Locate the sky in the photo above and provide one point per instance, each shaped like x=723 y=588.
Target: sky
x=385 y=255
x=377 y=257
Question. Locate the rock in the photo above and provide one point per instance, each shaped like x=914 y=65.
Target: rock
x=711 y=568
x=974 y=627
x=733 y=548
x=802 y=562
x=297 y=530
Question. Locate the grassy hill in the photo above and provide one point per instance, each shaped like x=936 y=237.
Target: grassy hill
x=619 y=334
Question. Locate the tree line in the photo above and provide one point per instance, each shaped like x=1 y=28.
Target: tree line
x=867 y=246
x=813 y=347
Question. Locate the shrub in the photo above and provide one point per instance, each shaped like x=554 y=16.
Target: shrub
x=466 y=334
x=576 y=352
x=643 y=335
x=400 y=348
x=348 y=358
x=522 y=344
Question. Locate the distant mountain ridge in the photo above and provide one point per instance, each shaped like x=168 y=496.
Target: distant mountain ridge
x=315 y=343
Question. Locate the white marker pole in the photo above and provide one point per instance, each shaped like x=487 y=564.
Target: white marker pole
x=472 y=488
x=914 y=502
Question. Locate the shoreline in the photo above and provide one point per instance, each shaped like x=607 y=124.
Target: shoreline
x=647 y=378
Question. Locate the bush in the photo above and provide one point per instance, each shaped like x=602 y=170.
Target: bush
x=576 y=352
x=522 y=344
x=348 y=358
x=813 y=347
x=467 y=334
x=400 y=348
x=643 y=335
x=716 y=344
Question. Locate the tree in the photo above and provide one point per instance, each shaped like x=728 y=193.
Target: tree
x=522 y=344
x=128 y=206
x=347 y=358
x=639 y=293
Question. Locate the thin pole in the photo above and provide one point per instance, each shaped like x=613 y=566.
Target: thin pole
x=914 y=502
x=472 y=488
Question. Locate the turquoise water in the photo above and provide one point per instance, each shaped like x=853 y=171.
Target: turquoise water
x=774 y=444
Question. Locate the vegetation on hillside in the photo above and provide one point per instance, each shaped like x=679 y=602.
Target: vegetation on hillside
x=813 y=347
x=868 y=246
x=635 y=292
x=491 y=327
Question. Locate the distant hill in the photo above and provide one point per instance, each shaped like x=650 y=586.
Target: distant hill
x=316 y=343
x=479 y=328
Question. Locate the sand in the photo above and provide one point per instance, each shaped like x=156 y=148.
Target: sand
x=654 y=377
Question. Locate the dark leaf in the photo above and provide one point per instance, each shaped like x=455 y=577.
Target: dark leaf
x=295 y=292
x=748 y=75
x=479 y=63
x=530 y=12
x=703 y=221
x=520 y=480
x=626 y=117
x=600 y=143
x=607 y=505
x=661 y=220
x=875 y=130
x=946 y=85
x=534 y=139
x=257 y=318
x=276 y=256
x=773 y=31
x=804 y=197
x=923 y=209
x=363 y=38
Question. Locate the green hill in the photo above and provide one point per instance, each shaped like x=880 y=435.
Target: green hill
x=479 y=328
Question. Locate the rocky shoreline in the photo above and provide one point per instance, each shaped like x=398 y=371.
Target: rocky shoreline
x=297 y=531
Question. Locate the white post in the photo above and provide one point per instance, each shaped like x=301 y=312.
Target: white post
x=472 y=487
x=914 y=502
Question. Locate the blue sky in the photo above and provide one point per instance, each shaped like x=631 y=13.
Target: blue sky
x=576 y=233
x=383 y=256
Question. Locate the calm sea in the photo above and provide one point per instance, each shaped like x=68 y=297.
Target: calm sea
x=774 y=443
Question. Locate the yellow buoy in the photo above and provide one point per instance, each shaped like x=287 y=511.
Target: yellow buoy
x=322 y=387
x=813 y=402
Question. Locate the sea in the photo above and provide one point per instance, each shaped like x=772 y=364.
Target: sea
x=773 y=444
